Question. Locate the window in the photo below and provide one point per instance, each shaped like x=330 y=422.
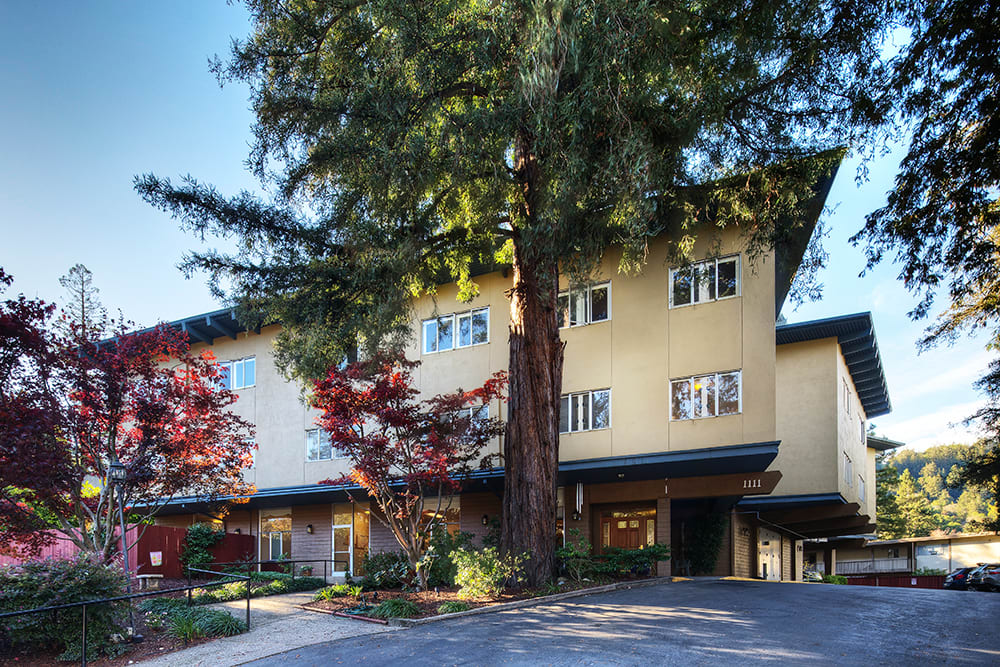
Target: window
x=319 y=447
x=238 y=374
x=275 y=534
x=585 y=305
x=847 y=397
x=585 y=411
x=475 y=413
x=861 y=488
x=848 y=470
x=710 y=395
x=709 y=280
x=457 y=330
x=893 y=552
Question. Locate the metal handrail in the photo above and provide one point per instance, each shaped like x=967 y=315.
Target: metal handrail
x=122 y=598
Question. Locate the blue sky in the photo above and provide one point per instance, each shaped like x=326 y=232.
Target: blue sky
x=95 y=93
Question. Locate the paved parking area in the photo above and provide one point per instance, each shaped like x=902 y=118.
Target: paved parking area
x=704 y=622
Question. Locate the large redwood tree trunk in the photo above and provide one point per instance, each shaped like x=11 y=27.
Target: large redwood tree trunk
x=531 y=443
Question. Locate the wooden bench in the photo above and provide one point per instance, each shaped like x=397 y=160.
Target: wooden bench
x=149 y=582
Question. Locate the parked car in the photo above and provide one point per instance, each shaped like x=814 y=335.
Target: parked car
x=959 y=579
x=989 y=577
x=975 y=578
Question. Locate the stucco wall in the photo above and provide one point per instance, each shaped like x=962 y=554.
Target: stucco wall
x=807 y=405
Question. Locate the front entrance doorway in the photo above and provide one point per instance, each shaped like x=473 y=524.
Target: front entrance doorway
x=350 y=538
x=628 y=528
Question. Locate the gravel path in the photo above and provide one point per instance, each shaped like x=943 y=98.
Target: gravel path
x=276 y=625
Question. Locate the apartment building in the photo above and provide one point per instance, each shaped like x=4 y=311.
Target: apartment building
x=682 y=399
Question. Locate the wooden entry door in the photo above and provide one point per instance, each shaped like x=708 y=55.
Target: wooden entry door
x=628 y=529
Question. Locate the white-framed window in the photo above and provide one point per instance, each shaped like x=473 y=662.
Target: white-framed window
x=585 y=411
x=708 y=280
x=585 y=304
x=456 y=330
x=476 y=412
x=861 y=488
x=238 y=373
x=708 y=395
x=848 y=470
x=847 y=397
x=319 y=447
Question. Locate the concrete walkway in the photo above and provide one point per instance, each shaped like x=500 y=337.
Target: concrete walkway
x=276 y=625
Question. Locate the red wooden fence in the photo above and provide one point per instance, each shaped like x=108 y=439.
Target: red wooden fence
x=898 y=581
x=163 y=540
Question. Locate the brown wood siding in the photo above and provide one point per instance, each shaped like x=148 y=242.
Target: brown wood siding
x=319 y=544
x=473 y=507
x=381 y=538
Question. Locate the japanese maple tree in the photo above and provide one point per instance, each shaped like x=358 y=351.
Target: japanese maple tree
x=408 y=455
x=67 y=411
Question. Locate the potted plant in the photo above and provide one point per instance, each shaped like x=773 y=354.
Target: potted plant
x=306 y=570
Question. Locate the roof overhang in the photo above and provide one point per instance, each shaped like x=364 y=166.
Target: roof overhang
x=883 y=444
x=856 y=336
x=809 y=516
x=746 y=458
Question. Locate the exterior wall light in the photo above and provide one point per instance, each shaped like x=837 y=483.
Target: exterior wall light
x=486 y=519
x=309 y=528
x=577 y=516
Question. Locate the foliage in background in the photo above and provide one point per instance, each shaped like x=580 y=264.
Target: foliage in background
x=918 y=492
x=834 y=579
x=57 y=581
x=704 y=542
x=83 y=316
x=618 y=562
x=576 y=557
x=410 y=456
x=68 y=407
x=198 y=540
x=486 y=573
x=443 y=545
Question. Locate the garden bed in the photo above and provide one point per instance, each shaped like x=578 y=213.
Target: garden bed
x=429 y=602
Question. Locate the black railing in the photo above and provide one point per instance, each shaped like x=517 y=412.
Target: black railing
x=329 y=566
x=229 y=578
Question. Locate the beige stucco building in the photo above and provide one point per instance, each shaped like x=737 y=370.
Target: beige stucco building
x=682 y=399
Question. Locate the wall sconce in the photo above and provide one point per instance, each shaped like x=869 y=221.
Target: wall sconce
x=236 y=530
x=621 y=475
x=577 y=516
x=309 y=528
x=486 y=520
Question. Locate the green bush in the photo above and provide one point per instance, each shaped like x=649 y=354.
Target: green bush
x=485 y=573
x=834 y=579
x=199 y=538
x=453 y=607
x=443 y=545
x=929 y=572
x=396 y=608
x=705 y=542
x=575 y=558
x=387 y=569
x=270 y=576
x=618 y=562
x=52 y=582
x=331 y=592
x=189 y=623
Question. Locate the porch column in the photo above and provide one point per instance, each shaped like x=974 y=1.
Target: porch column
x=663 y=533
x=830 y=560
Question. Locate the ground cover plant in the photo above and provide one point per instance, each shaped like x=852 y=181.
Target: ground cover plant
x=189 y=623
x=262 y=584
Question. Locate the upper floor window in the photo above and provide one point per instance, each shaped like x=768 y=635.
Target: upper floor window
x=847 y=397
x=585 y=411
x=584 y=305
x=861 y=488
x=710 y=395
x=475 y=413
x=708 y=280
x=319 y=447
x=238 y=374
x=456 y=330
x=848 y=470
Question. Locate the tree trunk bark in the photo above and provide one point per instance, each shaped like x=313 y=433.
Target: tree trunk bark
x=531 y=443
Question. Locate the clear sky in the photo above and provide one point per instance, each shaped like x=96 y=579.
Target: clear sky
x=92 y=94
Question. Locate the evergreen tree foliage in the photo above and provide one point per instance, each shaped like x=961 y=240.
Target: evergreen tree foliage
x=84 y=318
x=889 y=522
x=408 y=143
x=982 y=471
x=915 y=512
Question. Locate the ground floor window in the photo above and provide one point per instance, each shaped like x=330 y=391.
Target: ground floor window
x=447 y=516
x=275 y=534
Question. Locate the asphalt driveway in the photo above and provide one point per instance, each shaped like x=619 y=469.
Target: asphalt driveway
x=699 y=623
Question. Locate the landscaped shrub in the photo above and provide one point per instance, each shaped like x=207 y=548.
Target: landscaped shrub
x=387 y=569
x=705 y=541
x=52 y=582
x=834 y=579
x=485 y=573
x=575 y=558
x=199 y=538
x=189 y=623
x=453 y=607
x=443 y=545
x=396 y=608
x=617 y=562
x=331 y=592
x=270 y=576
